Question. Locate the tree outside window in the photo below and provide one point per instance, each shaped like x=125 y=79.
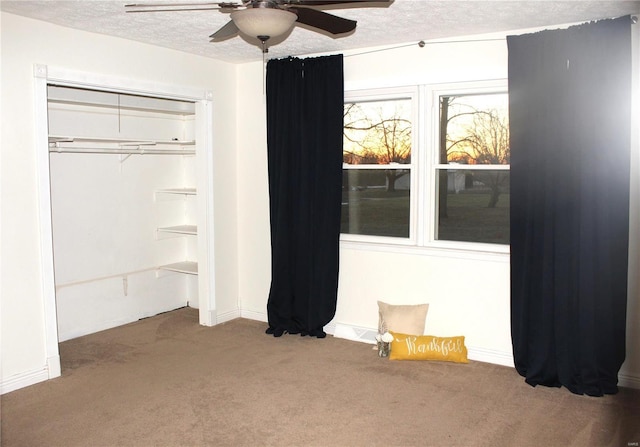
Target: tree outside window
x=377 y=168
x=473 y=169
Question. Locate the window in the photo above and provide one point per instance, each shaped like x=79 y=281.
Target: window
x=427 y=166
x=377 y=161
x=472 y=168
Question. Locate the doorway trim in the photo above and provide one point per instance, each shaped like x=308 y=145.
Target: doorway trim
x=45 y=75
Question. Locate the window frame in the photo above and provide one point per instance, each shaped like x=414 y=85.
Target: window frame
x=433 y=165
x=385 y=94
x=424 y=167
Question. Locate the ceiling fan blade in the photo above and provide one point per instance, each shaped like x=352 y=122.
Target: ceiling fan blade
x=162 y=5
x=324 y=21
x=227 y=31
x=331 y=2
x=206 y=8
x=170 y=7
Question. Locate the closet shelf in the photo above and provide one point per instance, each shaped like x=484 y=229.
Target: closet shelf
x=180 y=229
x=111 y=100
x=188 y=267
x=97 y=145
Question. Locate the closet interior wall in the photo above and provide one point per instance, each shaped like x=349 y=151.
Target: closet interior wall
x=123 y=185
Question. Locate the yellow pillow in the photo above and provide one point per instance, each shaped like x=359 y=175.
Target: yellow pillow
x=428 y=347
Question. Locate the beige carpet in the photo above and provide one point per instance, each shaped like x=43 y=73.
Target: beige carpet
x=167 y=381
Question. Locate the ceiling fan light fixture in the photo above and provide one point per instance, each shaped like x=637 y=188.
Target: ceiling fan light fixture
x=263 y=22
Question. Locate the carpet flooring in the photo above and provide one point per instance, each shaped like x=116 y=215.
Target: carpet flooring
x=167 y=381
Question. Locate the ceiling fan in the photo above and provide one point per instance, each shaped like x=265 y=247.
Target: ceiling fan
x=266 y=19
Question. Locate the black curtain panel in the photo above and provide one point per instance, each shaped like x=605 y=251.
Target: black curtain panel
x=570 y=108
x=305 y=103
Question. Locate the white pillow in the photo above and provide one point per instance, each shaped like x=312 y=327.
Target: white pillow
x=403 y=318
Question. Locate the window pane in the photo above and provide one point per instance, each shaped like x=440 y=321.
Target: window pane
x=376 y=202
x=473 y=206
x=377 y=132
x=474 y=129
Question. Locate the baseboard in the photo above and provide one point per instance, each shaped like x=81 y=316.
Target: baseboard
x=227 y=316
x=330 y=329
x=629 y=381
x=253 y=315
x=53 y=367
x=262 y=316
x=23 y=379
x=355 y=333
x=490 y=356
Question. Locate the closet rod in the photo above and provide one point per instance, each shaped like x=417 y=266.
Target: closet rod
x=93 y=150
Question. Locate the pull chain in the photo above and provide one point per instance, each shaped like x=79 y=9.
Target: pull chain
x=265 y=50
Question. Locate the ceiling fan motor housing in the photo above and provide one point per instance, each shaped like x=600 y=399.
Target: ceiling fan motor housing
x=264 y=22
x=264 y=4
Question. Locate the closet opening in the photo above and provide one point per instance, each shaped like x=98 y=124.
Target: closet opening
x=129 y=189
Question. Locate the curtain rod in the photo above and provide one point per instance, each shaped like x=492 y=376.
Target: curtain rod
x=422 y=44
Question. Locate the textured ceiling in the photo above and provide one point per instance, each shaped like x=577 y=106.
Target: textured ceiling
x=404 y=21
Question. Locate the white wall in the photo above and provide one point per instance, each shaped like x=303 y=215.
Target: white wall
x=468 y=294
x=26 y=42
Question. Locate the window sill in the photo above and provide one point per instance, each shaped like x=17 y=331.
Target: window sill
x=452 y=250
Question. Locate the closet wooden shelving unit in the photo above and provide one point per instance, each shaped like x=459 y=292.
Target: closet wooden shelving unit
x=186 y=267
x=105 y=123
